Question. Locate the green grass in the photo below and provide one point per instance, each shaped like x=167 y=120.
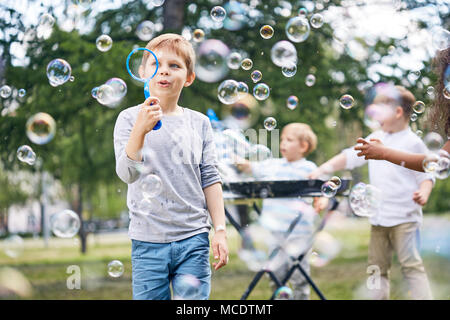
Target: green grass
x=45 y=268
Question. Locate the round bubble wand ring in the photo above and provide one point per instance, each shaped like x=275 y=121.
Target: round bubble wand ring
x=145 y=81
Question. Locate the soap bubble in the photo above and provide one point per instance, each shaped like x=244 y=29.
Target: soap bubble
x=419 y=107
x=325 y=249
x=270 y=123
x=13 y=246
x=5 y=91
x=26 y=154
x=297 y=29
x=94 y=92
x=144 y=31
x=289 y=71
x=413 y=117
x=104 y=43
x=310 y=80
x=151 y=186
x=266 y=32
x=58 y=72
x=430 y=91
x=302 y=12
x=45 y=26
x=365 y=199
x=105 y=95
x=234 y=60
x=328 y=189
x=186 y=287
x=283 y=53
x=115 y=268
x=211 y=63
x=242 y=89
x=419 y=133
x=284 y=293
x=218 y=13
x=46 y=20
x=316 y=20
x=443 y=165
x=446 y=91
x=119 y=88
x=256 y=76
x=158 y=3
x=440 y=38
x=65 y=224
x=430 y=162
x=261 y=91
x=40 y=128
x=199 y=35
x=228 y=91
x=247 y=64
x=292 y=102
x=336 y=180
x=433 y=141
x=346 y=101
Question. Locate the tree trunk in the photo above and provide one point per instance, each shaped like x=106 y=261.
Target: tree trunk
x=173 y=15
x=78 y=208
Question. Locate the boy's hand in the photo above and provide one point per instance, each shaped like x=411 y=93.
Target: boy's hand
x=370 y=150
x=220 y=249
x=242 y=164
x=149 y=114
x=421 y=197
x=315 y=174
x=320 y=204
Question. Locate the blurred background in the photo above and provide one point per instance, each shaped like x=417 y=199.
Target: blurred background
x=344 y=48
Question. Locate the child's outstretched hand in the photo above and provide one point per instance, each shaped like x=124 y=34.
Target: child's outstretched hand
x=220 y=249
x=242 y=164
x=320 y=204
x=370 y=150
x=421 y=197
x=149 y=114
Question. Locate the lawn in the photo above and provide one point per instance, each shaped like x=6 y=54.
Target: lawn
x=343 y=278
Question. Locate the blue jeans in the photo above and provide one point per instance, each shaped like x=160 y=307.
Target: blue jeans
x=183 y=263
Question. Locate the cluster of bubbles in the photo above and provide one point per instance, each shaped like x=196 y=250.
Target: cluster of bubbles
x=26 y=154
x=330 y=187
x=104 y=42
x=110 y=93
x=41 y=128
x=115 y=268
x=365 y=199
x=59 y=72
x=437 y=160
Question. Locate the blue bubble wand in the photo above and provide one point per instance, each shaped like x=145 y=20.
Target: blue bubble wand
x=145 y=81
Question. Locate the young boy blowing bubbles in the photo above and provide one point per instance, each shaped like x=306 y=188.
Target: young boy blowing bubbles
x=395 y=225
x=170 y=232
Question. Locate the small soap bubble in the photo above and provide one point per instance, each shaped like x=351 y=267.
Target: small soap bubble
x=316 y=20
x=365 y=199
x=26 y=154
x=430 y=91
x=22 y=93
x=297 y=29
x=104 y=43
x=328 y=189
x=292 y=102
x=65 y=224
x=85 y=66
x=433 y=141
x=59 y=71
x=337 y=181
x=94 y=92
x=218 y=13
x=227 y=91
x=266 y=32
x=115 y=268
x=283 y=53
x=256 y=76
x=234 y=60
x=270 y=123
x=247 y=64
x=310 y=80
x=13 y=246
x=72 y=79
x=5 y=91
x=261 y=91
x=413 y=117
x=346 y=101
x=419 y=133
x=40 y=128
x=302 y=12
x=144 y=31
x=289 y=71
x=151 y=186
x=430 y=162
x=443 y=165
x=199 y=35
x=419 y=107
x=284 y=293
x=119 y=87
x=242 y=88
x=105 y=95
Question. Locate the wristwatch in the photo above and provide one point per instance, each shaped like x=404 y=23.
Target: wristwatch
x=219 y=228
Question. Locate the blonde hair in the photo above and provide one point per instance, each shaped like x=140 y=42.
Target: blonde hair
x=178 y=44
x=304 y=133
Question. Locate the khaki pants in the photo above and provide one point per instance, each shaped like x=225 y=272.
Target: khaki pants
x=403 y=240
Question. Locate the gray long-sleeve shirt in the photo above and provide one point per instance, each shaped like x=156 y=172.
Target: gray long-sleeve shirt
x=182 y=154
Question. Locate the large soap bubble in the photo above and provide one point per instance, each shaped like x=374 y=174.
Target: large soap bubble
x=297 y=29
x=211 y=63
x=65 y=224
x=365 y=199
x=58 y=72
x=283 y=54
x=228 y=91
